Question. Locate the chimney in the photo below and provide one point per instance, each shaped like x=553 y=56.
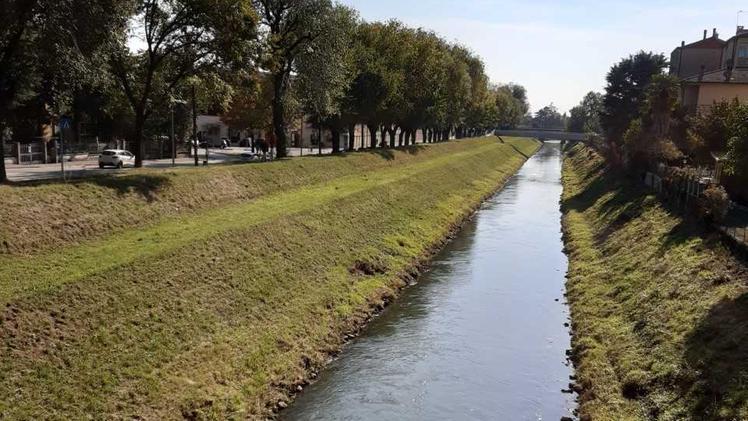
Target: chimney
x=740 y=30
x=705 y=31
x=682 y=44
x=714 y=33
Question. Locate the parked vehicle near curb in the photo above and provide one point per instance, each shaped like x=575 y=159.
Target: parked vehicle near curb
x=116 y=158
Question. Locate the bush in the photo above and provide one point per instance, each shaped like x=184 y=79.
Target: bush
x=714 y=204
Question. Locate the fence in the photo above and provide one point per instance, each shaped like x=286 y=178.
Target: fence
x=682 y=187
x=31 y=153
x=735 y=225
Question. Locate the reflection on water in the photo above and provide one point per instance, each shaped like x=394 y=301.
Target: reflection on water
x=481 y=336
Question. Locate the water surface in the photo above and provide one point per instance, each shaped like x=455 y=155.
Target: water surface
x=481 y=336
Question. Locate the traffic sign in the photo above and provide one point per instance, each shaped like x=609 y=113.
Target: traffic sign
x=65 y=122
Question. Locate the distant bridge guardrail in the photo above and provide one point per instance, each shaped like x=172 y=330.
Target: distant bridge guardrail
x=543 y=134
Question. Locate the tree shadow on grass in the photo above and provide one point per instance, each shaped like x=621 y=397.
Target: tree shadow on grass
x=718 y=350
x=146 y=185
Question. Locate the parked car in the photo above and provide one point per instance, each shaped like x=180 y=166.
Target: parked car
x=116 y=158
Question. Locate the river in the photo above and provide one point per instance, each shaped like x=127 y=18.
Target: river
x=482 y=334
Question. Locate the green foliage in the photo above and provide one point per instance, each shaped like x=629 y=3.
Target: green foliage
x=289 y=30
x=548 y=117
x=182 y=39
x=625 y=92
x=736 y=162
x=714 y=204
x=325 y=69
x=585 y=117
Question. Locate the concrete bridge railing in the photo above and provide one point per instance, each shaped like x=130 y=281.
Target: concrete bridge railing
x=543 y=134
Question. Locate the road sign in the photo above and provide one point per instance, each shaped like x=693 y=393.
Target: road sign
x=65 y=122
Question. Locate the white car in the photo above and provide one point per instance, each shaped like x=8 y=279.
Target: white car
x=116 y=158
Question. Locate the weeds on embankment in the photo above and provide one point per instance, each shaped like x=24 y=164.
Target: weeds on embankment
x=659 y=305
x=225 y=308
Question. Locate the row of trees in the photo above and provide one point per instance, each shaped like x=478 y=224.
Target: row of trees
x=121 y=65
x=390 y=77
x=642 y=122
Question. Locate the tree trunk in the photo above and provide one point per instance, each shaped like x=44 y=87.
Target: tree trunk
x=383 y=132
x=373 y=132
x=335 y=140
x=393 y=135
x=138 y=138
x=76 y=119
x=279 y=118
x=319 y=139
x=351 y=137
x=402 y=135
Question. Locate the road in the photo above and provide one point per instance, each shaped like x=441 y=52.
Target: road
x=80 y=169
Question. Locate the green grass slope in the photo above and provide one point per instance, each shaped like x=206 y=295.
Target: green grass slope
x=235 y=286
x=659 y=307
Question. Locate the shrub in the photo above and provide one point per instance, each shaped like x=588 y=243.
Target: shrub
x=714 y=204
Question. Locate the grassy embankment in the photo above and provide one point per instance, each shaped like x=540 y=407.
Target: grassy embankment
x=216 y=292
x=659 y=306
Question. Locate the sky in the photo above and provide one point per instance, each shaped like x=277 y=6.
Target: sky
x=560 y=50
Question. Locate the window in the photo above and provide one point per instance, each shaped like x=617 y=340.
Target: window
x=742 y=55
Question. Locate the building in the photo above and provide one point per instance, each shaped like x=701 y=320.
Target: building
x=712 y=70
x=301 y=134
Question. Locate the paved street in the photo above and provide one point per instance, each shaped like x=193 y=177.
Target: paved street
x=79 y=169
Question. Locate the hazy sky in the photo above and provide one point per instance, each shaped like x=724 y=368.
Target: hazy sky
x=560 y=50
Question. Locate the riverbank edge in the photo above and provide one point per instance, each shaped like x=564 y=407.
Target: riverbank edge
x=632 y=360
x=405 y=278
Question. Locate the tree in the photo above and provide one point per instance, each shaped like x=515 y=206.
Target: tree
x=511 y=105
x=647 y=140
x=548 y=117
x=585 y=117
x=290 y=28
x=51 y=49
x=251 y=104
x=710 y=132
x=325 y=72
x=182 y=38
x=625 y=92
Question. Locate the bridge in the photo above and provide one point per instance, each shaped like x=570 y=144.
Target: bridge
x=543 y=134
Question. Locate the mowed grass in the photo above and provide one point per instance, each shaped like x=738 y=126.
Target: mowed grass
x=221 y=310
x=659 y=306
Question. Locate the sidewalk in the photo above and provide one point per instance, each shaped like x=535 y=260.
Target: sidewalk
x=78 y=169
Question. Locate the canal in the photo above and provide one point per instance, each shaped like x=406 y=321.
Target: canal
x=482 y=334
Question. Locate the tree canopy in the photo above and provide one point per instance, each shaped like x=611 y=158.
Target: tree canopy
x=118 y=65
